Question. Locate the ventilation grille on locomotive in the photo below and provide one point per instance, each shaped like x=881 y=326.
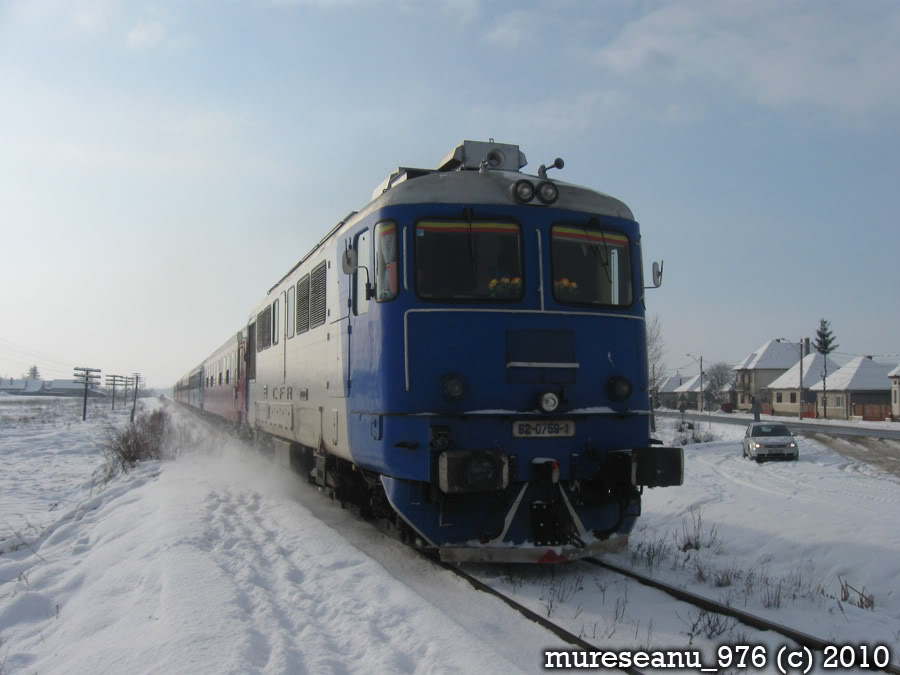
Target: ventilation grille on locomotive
x=303 y=305
x=264 y=329
x=317 y=296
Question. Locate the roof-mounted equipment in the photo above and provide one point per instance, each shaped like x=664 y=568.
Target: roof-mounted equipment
x=468 y=155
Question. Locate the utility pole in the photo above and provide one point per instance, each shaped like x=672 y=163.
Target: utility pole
x=114 y=380
x=86 y=376
x=800 y=393
x=137 y=382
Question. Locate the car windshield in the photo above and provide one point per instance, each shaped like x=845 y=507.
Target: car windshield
x=590 y=266
x=462 y=260
x=770 y=430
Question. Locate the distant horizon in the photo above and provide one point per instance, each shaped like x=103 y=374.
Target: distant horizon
x=165 y=163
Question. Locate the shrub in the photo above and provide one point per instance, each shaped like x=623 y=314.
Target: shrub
x=144 y=439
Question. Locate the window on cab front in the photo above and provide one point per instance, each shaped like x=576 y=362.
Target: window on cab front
x=591 y=266
x=468 y=260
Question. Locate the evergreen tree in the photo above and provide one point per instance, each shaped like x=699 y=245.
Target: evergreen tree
x=825 y=343
x=34 y=373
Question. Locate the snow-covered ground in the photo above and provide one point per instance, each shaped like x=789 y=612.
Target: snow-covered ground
x=219 y=563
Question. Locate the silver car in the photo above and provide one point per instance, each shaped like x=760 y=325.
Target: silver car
x=770 y=440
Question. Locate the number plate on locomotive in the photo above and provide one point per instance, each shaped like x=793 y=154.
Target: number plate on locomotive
x=551 y=429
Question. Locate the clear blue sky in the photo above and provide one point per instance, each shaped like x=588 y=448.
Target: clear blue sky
x=162 y=164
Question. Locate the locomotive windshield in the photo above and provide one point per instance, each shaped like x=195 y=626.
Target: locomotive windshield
x=468 y=260
x=590 y=266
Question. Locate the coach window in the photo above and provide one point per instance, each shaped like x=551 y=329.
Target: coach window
x=289 y=308
x=386 y=263
x=303 y=304
x=275 y=322
x=363 y=256
x=590 y=266
x=460 y=260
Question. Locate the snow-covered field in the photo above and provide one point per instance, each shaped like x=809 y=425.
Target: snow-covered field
x=218 y=563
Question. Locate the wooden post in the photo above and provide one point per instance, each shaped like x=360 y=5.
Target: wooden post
x=88 y=376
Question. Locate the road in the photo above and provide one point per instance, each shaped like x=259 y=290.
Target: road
x=796 y=426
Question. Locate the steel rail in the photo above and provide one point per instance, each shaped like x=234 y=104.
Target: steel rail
x=801 y=638
x=557 y=630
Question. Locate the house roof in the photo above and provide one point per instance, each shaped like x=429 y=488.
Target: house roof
x=895 y=372
x=672 y=382
x=860 y=374
x=692 y=384
x=773 y=354
x=812 y=372
x=64 y=384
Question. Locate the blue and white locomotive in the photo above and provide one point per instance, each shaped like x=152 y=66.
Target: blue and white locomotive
x=464 y=357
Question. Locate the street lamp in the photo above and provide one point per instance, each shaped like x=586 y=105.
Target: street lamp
x=799 y=388
x=701 y=379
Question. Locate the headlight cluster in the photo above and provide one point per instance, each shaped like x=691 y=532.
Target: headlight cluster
x=524 y=191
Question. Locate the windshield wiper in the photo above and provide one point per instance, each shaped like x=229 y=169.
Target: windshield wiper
x=596 y=248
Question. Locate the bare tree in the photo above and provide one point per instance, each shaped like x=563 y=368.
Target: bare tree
x=718 y=376
x=655 y=353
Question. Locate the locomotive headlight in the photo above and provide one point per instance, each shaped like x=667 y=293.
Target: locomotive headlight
x=523 y=190
x=547 y=192
x=549 y=402
x=452 y=386
x=618 y=388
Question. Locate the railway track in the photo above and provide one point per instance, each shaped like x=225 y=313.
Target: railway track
x=800 y=638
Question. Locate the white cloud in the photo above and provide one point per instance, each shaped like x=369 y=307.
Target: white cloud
x=92 y=16
x=513 y=29
x=147 y=33
x=837 y=56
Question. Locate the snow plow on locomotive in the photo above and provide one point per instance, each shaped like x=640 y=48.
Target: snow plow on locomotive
x=466 y=356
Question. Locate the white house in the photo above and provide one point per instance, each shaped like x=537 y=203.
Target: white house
x=860 y=388
x=784 y=388
x=689 y=393
x=762 y=367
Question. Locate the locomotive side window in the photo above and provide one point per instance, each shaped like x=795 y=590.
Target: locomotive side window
x=317 y=296
x=590 y=266
x=275 y=322
x=469 y=260
x=303 y=305
x=289 y=307
x=363 y=252
x=386 y=263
